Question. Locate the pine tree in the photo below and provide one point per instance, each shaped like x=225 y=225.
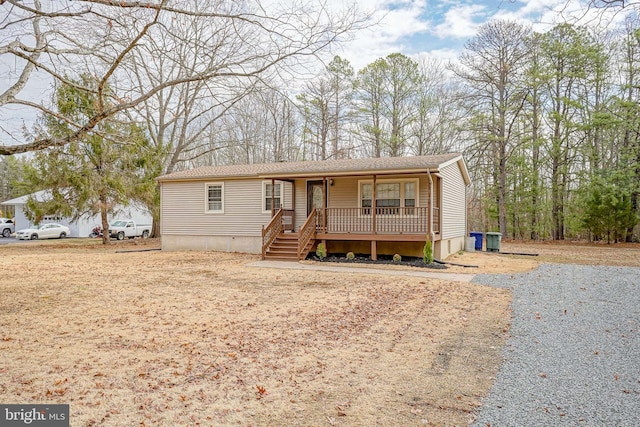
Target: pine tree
x=110 y=166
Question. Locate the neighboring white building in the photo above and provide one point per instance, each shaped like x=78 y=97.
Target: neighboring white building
x=83 y=226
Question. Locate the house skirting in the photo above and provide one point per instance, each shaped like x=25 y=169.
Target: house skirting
x=253 y=245
x=243 y=244
x=441 y=248
x=444 y=248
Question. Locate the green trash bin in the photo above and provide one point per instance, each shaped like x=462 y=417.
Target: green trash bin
x=493 y=241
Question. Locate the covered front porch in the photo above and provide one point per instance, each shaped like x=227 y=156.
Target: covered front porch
x=409 y=218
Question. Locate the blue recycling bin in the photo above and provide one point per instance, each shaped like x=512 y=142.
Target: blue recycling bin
x=478 y=235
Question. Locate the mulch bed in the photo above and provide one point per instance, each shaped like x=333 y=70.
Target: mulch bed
x=382 y=260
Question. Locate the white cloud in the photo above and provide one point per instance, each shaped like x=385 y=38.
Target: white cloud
x=439 y=28
x=445 y=55
x=459 y=22
x=395 y=21
x=544 y=14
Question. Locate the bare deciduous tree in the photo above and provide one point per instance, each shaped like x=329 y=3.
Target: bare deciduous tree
x=492 y=66
x=48 y=41
x=437 y=126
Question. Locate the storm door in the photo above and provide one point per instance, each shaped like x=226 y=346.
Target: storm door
x=315 y=197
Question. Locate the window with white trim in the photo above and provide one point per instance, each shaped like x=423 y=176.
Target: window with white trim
x=215 y=197
x=410 y=197
x=393 y=197
x=270 y=196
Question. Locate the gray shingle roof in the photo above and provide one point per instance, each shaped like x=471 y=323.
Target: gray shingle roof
x=315 y=168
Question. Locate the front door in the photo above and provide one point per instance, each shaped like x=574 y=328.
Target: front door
x=315 y=197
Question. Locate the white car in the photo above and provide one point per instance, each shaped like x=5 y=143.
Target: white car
x=46 y=231
x=7 y=227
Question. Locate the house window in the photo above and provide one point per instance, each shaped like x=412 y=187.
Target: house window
x=388 y=198
x=365 y=199
x=392 y=197
x=272 y=194
x=215 y=198
x=409 y=197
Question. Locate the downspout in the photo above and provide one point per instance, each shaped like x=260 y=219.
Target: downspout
x=433 y=235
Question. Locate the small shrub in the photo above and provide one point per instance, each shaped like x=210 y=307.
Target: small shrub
x=321 y=251
x=351 y=256
x=460 y=253
x=427 y=252
x=397 y=258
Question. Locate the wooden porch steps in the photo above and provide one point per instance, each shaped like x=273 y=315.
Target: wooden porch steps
x=285 y=248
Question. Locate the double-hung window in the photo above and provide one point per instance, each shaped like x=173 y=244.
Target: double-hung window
x=272 y=196
x=410 y=197
x=392 y=197
x=215 y=198
x=388 y=198
x=366 y=193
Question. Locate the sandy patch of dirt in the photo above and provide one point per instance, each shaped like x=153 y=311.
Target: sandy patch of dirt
x=582 y=253
x=198 y=338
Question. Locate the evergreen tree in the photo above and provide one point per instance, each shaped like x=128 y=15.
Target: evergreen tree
x=108 y=167
x=608 y=211
x=388 y=99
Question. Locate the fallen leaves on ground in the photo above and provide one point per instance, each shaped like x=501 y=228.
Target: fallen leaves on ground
x=199 y=338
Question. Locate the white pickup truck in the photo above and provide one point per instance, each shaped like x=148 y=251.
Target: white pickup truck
x=128 y=228
x=7 y=227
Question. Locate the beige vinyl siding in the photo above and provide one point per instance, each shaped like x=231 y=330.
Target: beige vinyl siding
x=301 y=202
x=423 y=192
x=454 y=205
x=183 y=204
x=183 y=209
x=343 y=193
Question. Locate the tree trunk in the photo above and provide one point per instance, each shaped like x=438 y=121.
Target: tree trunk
x=104 y=219
x=502 y=192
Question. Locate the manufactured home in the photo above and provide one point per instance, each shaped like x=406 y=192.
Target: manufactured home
x=283 y=210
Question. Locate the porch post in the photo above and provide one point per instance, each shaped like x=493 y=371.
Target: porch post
x=430 y=211
x=325 y=204
x=374 y=244
x=373 y=206
x=293 y=205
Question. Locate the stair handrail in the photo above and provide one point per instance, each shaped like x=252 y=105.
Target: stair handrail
x=306 y=233
x=271 y=231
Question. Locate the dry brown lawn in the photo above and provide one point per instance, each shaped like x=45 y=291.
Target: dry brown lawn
x=199 y=338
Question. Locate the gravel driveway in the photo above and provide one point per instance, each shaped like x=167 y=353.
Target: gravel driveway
x=573 y=358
